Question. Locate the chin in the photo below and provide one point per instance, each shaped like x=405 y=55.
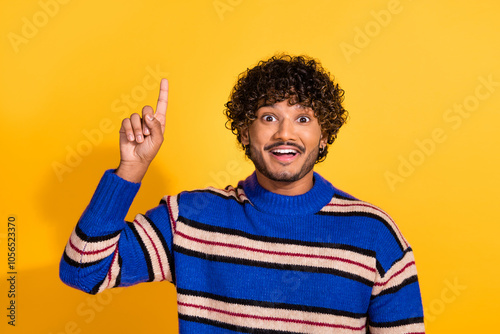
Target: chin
x=278 y=172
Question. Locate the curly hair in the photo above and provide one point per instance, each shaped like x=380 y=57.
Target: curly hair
x=299 y=79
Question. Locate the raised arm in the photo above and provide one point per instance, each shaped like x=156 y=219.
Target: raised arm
x=141 y=138
x=104 y=250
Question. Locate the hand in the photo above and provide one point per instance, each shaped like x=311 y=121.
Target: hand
x=141 y=138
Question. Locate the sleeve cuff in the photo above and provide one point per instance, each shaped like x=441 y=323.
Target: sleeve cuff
x=109 y=205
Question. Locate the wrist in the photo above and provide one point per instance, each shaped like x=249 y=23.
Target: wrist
x=132 y=172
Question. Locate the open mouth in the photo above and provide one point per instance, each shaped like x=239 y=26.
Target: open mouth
x=284 y=154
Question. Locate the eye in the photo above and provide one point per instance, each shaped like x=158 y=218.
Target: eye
x=268 y=118
x=303 y=119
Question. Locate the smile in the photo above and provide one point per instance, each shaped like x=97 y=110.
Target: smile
x=284 y=154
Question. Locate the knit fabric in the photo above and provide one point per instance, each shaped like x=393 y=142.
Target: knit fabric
x=244 y=259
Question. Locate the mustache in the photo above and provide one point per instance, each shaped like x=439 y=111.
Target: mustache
x=301 y=149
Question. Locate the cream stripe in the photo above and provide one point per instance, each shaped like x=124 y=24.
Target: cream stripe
x=360 y=206
x=158 y=256
x=115 y=270
x=400 y=271
x=267 y=318
x=411 y=328
x=86 y=258
x=173 y=210
x=276 y=247
x=264 y=248
x=235 y=193
x=92 y=246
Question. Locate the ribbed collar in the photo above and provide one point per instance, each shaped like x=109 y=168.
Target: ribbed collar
x=269 y=202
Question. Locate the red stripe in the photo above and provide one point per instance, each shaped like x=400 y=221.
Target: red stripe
x=235 y=193
x=234 y=314
x=396 y=273
x=170 y=212
x=377 y=209
x=89 y=252
x=154 y=246
x=274 y=252
x=111 y=268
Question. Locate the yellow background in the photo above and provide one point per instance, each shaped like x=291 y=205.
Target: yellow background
x=66 y=69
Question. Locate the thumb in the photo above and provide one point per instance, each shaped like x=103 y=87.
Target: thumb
x=155 y=126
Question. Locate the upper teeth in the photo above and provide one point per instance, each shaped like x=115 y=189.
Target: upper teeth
x=286 y=151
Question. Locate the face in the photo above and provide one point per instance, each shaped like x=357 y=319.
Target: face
x=284 y=141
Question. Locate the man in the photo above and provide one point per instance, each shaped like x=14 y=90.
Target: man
x=283 y=251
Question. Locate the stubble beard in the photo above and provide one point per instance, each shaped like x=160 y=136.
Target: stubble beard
x=283 y=176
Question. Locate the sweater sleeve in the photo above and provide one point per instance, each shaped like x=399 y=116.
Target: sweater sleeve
x=105 y=251
x=396 y=304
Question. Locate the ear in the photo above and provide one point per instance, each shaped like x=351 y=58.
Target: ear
x=323 y=141
x=244 y=136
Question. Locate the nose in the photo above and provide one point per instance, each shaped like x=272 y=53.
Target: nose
x=285 y=131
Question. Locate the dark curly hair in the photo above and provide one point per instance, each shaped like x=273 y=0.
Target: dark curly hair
x=299 y=79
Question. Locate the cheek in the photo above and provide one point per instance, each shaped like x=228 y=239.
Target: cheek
x=259 y=136
x=312 y=138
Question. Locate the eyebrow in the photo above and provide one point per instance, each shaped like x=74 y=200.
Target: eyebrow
x=296 y=105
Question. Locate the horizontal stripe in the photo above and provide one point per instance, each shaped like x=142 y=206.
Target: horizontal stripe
x=273 y=305
x=264 y=251
x=235 y=328
x=277 y=319
x=265 y=318
x=415 y=320
x=278 y=266
x=87 y=238
x=407 y=326
x=289 y=255
x=230 y=231
x=396 y=288
x=94 y=252
x=401 y=271
x=338 y=206
x=396 y=274
x=77 y=264
x=368 y=215
x=85 y=251
x=271 y=285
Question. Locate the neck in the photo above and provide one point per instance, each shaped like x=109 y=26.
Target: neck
x=292 y=188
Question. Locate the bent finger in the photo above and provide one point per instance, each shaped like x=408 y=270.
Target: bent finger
x=136 y=122
x=126 y=129
x=156 y=129
x=146 y=111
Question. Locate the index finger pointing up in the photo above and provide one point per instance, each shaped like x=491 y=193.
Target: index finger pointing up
x=161 y=106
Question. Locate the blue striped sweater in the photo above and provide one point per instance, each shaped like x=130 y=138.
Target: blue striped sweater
x=244 y=259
